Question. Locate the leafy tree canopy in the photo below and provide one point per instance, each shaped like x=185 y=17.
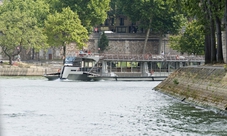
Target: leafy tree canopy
x=37 y=9
x=19 y=28
x=64 y=28
x=156 y=15
x=90 y=12
x=192 y=41
x=167 y=20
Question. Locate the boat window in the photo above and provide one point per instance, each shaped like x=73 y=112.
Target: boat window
x=70 y=59
x=77 y=63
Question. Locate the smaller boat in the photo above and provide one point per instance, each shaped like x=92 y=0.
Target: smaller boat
x=52 y=76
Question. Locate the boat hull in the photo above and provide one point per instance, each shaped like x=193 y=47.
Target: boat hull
x=75 y=73
x=82 y=77
x=52 y=76
x=145 y=78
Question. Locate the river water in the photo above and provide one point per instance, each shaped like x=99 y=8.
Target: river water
x=36 y=107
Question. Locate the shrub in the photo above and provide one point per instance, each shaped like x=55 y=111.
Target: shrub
x=175 y=81
x=104 y=42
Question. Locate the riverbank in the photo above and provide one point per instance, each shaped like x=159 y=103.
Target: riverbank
x=28 y=69
x=203 y=85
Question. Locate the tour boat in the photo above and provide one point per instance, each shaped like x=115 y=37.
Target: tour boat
x=127 y=67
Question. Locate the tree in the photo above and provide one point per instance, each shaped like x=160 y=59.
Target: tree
x=167 y=21
x=141 y=11
x=225 y=21
x=90 y=12
x=153 y=15
x=208 y=13
x=219 y=14
x=64 y=28
x=19 y=28
x=191 y=41
x=104 y=42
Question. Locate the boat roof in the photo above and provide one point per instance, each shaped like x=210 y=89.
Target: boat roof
x=84 y=56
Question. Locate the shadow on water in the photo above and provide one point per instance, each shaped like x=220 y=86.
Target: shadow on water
x=188 y=118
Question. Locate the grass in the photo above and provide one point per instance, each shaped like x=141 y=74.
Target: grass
x=175 y=81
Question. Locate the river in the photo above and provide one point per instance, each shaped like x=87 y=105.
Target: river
x=33 y=106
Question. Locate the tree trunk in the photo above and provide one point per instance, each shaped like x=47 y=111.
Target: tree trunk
x=212 y=34
x=33 y=53
x=213 y=41
x=4 y=49
x=207 y=49
x=219 y=41
x=64 y=53
x=146 y=39
x=207 y=42
x=226 y=31
x=10 y=61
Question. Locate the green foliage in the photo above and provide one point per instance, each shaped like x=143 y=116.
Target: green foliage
x=90 y=12
x=104 y=42
x=209 y=14
x=225 y=67
x=191 y=41
x=152 y=15
x=175 y=81
x=163 y=18
x=19 y=28
x=139 y=10
x=65 y=27
x=167 y=20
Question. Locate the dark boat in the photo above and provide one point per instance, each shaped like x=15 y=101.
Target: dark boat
x=52 y=76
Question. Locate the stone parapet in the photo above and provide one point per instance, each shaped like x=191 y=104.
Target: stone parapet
x=119 y=36
x=204 y=86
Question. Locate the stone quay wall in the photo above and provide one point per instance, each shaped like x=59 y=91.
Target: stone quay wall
x=203 y=85
x=8 y=70
x=21 y=71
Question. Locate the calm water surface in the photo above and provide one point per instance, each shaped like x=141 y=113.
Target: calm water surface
x=36 y=107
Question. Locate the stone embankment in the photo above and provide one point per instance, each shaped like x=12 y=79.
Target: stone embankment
x=203 y=85
x=24 y=69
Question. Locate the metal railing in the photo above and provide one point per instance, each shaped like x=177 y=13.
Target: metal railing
x=150 y=57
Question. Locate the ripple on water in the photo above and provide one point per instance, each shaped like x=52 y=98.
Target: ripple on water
x=40 y=107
